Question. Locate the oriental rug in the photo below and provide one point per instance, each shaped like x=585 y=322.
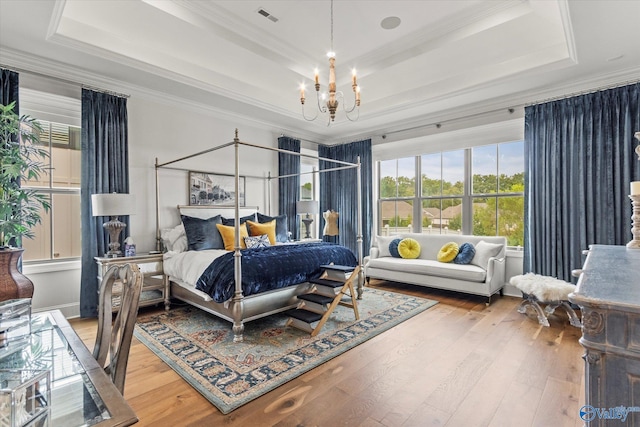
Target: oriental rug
x=200 y=347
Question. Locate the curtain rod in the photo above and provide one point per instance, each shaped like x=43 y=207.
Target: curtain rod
x=67 y=81
x=583 y=92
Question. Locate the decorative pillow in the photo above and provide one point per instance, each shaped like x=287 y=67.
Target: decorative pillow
x=232 y=221
x=268 y=228
x=261 y=241
x=448 y=252
x=465 y=254
x=202 y=233
x=409 y=248
x=229 y=235
x=175 y=239
x=383 y=245
x=282 y=229
x=393 y=248
x=484 y=251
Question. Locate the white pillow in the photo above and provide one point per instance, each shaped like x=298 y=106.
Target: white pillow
x=383 y=244
x=484 y=251
x=175 y=239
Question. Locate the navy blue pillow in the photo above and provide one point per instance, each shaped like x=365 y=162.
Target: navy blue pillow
x=282 y=230
x=232 y=221
x=466 y=253
x=202 y=233
x=393 y=248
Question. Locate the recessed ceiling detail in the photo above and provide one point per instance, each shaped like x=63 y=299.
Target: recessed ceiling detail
x=390 y=22
x=446 y=58
x=267 y=15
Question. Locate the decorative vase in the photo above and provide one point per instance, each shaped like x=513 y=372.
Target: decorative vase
x=13 y=284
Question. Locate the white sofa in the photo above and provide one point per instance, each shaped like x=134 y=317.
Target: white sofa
x=484 y=276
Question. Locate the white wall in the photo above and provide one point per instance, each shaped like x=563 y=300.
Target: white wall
x=159 y=129
x=168 y=132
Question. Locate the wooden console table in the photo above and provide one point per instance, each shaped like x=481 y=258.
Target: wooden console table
x=608 y=292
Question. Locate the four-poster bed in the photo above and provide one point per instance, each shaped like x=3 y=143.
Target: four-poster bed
x=240 y=308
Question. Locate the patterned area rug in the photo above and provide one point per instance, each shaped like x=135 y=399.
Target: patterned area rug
x=200 y=347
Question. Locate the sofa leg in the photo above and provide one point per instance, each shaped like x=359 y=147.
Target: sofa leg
x=368 y=279
x=488 y=301
x=501 y=292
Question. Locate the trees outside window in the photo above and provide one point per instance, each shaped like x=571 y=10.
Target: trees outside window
x=477 y=191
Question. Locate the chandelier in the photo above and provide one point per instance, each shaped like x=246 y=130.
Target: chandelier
x=331 y=103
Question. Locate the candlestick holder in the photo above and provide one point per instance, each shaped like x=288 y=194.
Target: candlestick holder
x=635 y=222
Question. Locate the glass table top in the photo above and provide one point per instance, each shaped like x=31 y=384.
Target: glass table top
x=74 y=398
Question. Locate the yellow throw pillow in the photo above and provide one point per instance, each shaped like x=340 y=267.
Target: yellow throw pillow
x=268 y=228
x=448 y=252
x=228 y=233
x=409 y=248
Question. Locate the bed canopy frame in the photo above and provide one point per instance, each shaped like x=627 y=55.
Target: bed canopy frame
x=237 y=302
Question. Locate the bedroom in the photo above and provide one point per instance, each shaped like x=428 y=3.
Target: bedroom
x=177 y=120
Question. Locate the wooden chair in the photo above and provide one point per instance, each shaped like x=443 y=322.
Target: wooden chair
x=120 y=290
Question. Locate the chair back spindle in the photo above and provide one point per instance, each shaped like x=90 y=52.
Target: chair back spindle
x=113 y=339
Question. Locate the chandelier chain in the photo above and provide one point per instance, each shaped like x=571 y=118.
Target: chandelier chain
x=331 y=25
x=335 y=97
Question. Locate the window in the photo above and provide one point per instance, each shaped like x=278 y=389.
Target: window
x=477 y=191
x=58 y=236
x=498 y=191
x=442 y=191
x=397 y=193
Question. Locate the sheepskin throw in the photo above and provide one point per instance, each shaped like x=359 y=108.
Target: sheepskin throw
x=544 y=288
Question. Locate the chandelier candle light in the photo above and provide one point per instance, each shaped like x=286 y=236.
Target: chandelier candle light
x=334 y=96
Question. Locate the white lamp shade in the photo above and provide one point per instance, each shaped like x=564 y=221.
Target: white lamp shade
x=307 y=207
x=112 y=204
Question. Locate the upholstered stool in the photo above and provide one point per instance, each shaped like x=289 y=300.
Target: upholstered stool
x=538 y=289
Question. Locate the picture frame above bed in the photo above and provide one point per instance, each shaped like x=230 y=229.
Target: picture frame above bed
x=212 y=189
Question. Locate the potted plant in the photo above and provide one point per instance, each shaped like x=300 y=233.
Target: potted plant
x=20 y=160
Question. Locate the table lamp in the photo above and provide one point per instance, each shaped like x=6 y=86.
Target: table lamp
x=307 y=208
x=113 y=205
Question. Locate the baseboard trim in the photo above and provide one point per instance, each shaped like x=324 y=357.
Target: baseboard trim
x=69 y=311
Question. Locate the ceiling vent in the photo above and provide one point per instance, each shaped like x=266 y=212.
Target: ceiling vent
x=267 y=15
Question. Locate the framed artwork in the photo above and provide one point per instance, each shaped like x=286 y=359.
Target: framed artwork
x=210 y=189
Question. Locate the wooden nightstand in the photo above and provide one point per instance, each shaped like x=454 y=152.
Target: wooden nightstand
x=155 y=288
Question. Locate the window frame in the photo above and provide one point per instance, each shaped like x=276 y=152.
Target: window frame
x=467 y=197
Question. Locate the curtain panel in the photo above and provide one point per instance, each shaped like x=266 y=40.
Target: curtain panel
x=579 y=161
x=105 y=169
x=337 y=191
x=9 y=87
x=289 y=188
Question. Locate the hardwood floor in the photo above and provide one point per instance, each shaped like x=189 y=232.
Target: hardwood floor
x=459 y=363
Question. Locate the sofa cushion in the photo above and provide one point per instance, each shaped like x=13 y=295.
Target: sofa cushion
x=448 y=252
x=393 y=248
x=465 y=254
x=409 y=248
x=484 y=251
x=383 y=245
x=425 y=267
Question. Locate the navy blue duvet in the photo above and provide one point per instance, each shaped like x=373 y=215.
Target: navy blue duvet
x=273 y=267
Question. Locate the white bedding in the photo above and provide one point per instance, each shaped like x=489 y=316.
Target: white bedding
x=187 y=267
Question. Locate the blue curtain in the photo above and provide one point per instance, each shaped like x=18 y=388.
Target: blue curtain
x=105 y=169
x=289 y=188
x=9 y=86
x=579 y=160
x=9 y=90
x=338 y=192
